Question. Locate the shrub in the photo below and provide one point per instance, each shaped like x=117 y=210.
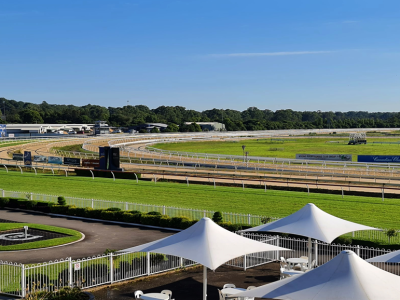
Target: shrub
x=217 y=217
x=134 y=212
x=343 y=240
x=79 y=211
x=107 y=215
x=154 y=213
x=153 y=220
x=4 y=202
x=94 y=213
x=61 y=200
x=59 y=209
x=157 y=257
x=13 y=202
x=165 y=221
x=131 y=218
x=391 y=233
x=113 y=209
x=176 y=222
x=186 y=223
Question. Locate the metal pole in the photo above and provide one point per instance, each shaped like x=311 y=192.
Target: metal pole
x=204 y=283
x=309 y=253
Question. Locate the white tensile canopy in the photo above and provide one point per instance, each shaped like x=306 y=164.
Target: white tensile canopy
x=392 y=257
x=312 y=222
x=206 y=243
x=345 y=277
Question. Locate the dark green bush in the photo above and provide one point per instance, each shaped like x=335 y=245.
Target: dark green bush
x=113 y=209
x=94 y=213
x=13 y=202
x=176 y=222
x=186 y=223
x=343 y=240
x=154 y=213
x=61 y=200
x=165 y=221
x=107 y=215
x=59 y=209
x=153 y=220
x=79 y=211
x=134 y=212
x=4 y=202
x=217 y=217
x=131 y=218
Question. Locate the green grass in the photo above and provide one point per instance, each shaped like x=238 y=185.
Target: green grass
x=291 y=147
x=365 y=210
x=73 y=148
x=73 y=236
x=12 y=144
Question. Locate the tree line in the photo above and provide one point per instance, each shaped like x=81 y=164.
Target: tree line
x=175 y=116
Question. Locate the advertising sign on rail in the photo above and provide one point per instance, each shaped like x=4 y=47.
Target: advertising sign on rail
x=72 y=161
x=3 y=131
x=379 y=158
x=18 y=156
x=27 y=158
x=330 y=157
x=90 y=163
x=55 y=160
x=40 y=158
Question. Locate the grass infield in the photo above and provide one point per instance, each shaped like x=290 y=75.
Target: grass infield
x=288 y=147
x=73 y=236
x=370 y=211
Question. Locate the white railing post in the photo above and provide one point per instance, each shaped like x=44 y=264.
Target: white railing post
x=204 y=213
x=244 y=262
x=2 y=193
x=316 y=252
x=358 y=250
x=148 y=263
x=277 y=244
x=249 y=219
x=111 y=268
x=92 y=203
x=163 y=210
x=23 y=281
x=70 y=272
x=126 y=206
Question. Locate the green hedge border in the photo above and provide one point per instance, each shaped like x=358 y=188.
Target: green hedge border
x=153 y=219
x=73 y=236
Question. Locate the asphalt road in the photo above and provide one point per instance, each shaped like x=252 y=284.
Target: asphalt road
x=99 y=236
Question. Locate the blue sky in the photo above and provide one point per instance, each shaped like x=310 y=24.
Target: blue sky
x=302 y=55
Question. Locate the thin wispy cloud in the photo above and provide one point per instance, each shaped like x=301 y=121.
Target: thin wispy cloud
x=258 y=54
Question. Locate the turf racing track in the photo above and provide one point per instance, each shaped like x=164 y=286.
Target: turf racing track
x=138 y=155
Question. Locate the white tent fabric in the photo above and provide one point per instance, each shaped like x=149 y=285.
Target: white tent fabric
x=206 y=243
x=312 y=222
x=347 y=276
x=392 y=257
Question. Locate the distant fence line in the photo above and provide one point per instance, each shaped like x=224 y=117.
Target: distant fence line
x=191 y=213
x=17 y=279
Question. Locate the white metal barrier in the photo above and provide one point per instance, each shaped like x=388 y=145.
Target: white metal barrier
x=18 y=279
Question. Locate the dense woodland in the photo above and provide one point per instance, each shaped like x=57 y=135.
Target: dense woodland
x=249 y=119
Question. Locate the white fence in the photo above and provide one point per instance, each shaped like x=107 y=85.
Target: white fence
x=193 y=214
x=18 y=279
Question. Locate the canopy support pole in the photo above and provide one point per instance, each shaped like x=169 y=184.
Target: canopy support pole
x=309 y=253
x=204 y=283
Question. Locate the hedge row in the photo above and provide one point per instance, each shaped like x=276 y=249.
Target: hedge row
x=111 y=214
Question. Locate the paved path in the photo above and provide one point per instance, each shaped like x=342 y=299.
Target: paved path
x=99 y=237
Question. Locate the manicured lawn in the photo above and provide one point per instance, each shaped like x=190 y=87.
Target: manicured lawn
x=73 y=148
x=289 y=147
x=364 y=210
x=73 y=236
